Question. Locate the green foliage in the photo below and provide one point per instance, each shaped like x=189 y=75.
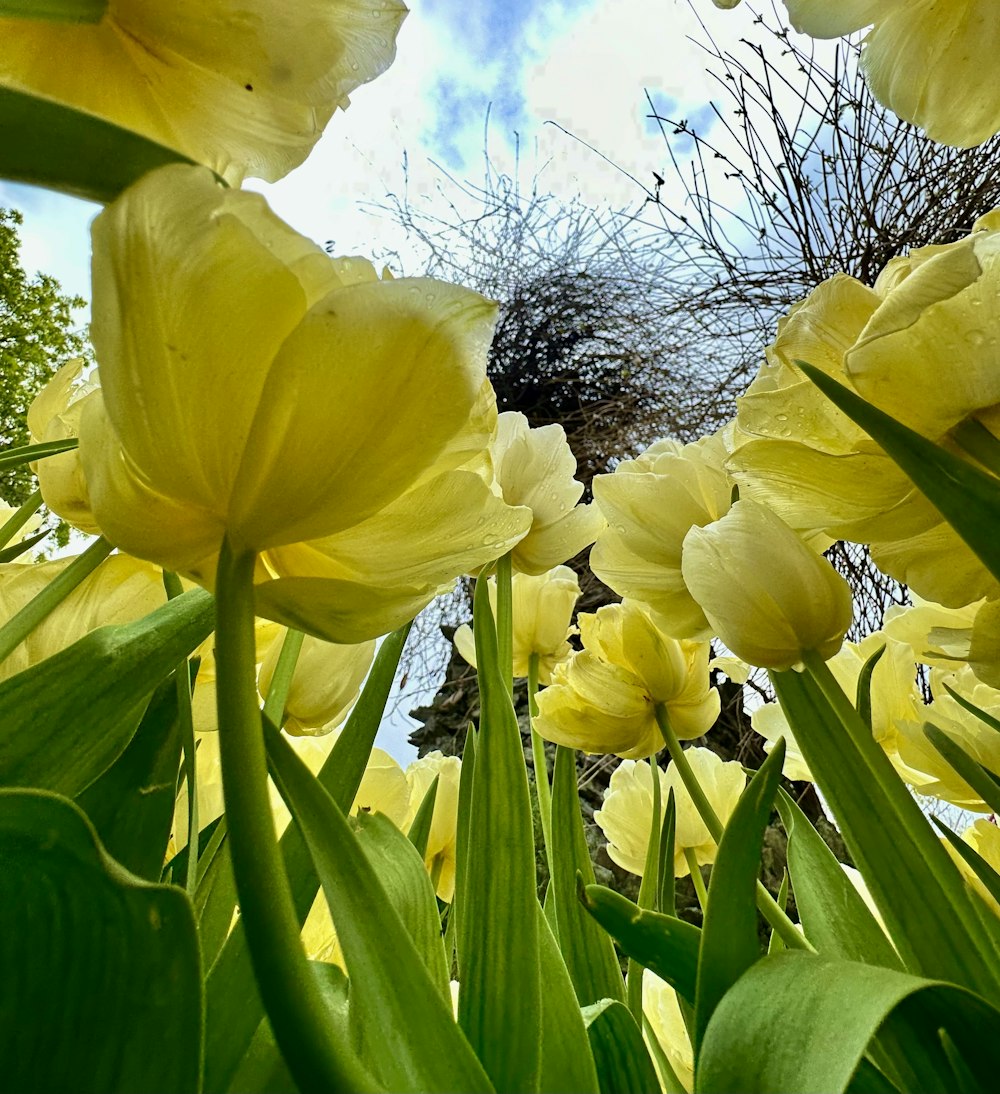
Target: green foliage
x=37 y=334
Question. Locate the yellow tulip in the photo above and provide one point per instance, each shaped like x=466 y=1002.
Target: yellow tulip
x=924 y=59
x=439 y=855
x=663 y=1012
x=626 y=816
x=768 y=596
x=325 y=684
x=54 y=415
x=245 y=88
x=535 y=468
x=256 y=390
x=120 y=590
x=30 y=526
x=650 y=504
x=604 y=698
x=722 y=782
x=542 y=609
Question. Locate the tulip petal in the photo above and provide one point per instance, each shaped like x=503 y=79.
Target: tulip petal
x=925 y=61
x=821 y=19
x=244 y=86
x=406 y=357
x=182 y=377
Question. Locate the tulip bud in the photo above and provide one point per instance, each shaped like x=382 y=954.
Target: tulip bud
x=768 y=597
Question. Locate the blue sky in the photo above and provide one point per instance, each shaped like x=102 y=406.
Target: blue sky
x=583 y=64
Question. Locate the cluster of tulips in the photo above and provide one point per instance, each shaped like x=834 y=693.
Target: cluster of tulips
x=209 y=878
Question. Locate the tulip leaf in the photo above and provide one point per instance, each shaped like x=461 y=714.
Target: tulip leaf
x=982 y=715
x=979 y=866
x=803 y=1022
x=8 y=554
x=392 y=993
x=234 y=1007
x=967 y=497
x=567 y=1062
x=587 y=949
x=15 y=457
x=499 y=1001
x=48 y=144
x=623 y=1063
x=661 y=943
x=400 y=869
x=729 y=943
x=915 y=885
x=666 y=897
x=835 y=919
x=65 y=721
x=978 y=778
x=62 y=11
x=132 y=804
x=863 y=699
x=101 y=986
x=420 y=827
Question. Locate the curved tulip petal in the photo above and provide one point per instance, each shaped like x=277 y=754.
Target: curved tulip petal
x=925 y=61
x=244 y=87
x=561 y=541
x=821 y=19
x=412 y=345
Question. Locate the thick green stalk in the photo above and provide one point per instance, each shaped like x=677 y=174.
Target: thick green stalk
x=20 y=518
x=19 y=626
x=542 y=789
x=288 y=986
x=505 y=622
x=766 y=903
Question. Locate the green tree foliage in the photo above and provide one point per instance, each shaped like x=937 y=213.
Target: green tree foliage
x=36 y=336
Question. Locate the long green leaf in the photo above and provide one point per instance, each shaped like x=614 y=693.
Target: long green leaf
x=132 y=804
x=567 y=1062
x=623 y=1063
x=663 y=944
x=729 y=943
x=834 y=918
x=234 y=1007
x=65 y=721
x=802 y=1022
x=391 y=990
x=586 y=947
x=982 y=781
x=48 y=144
x=967 y=497
x=979 y=866
x=915 y=885
x=499 y=1002
x=16 y=457
x=101 y=986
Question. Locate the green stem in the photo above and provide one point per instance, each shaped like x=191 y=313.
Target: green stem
x=696 y=878
x=543 y=791
x=20 y=518
x=766 y=903
x=288 y=987
x=17 y=629
x=979 y=442
x=505 y=622
x=281 y=679
x=172 y=585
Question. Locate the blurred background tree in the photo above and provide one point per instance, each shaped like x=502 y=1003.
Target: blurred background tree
x=37 y=334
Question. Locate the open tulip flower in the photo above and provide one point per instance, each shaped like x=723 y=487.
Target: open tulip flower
x=245 y=89
x=650 y=504
x=606 y=697
x=542 y=609
x=256 y=390
x=924 y=59
x=535 y=468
